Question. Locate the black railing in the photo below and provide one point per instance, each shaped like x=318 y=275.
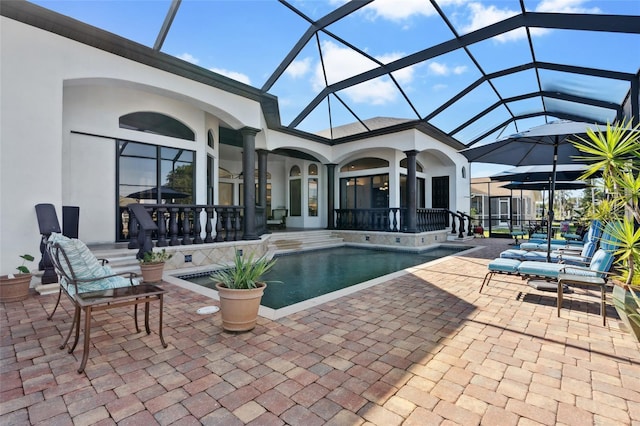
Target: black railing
x=393 y=219
x=469 y=223
x=386 y=220
x=186 y=224
x=432 y=219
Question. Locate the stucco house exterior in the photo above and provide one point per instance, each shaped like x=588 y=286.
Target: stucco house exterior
x=89 y=118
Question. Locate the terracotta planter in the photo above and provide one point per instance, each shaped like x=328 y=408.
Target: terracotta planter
x=239 y=308
x=625 y=305
x=152 y=272
x=14 y=289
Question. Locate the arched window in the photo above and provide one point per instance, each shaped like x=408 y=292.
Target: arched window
x=157 y=124
x=364 y=164
x=313 y=170
x=295 y=171
x=419 y=168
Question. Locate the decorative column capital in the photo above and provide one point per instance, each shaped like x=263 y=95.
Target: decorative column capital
x=249 y=131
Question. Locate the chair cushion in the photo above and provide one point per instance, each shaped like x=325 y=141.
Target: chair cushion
x=540 y=269
x=509 y=266
x=84 y=265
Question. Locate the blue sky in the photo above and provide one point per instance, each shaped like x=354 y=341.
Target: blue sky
x=247 y=40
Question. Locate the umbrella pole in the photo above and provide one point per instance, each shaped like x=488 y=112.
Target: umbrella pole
x=551 y=191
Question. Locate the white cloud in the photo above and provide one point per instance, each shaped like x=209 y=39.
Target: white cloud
x=402 y=10
x=342 y=63
x=189 y=58
x=460 y=69
x=298 y=68
x=565 y=6
x=243 y=78
x=482 y=16
x=438 y=68
x=395 y=10
x=439 y=87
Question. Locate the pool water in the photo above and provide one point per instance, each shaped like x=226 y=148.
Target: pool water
x=303 y=276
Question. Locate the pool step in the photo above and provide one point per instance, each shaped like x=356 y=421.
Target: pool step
x=298 y=241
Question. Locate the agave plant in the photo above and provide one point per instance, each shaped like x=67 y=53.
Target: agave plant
x=245 y=272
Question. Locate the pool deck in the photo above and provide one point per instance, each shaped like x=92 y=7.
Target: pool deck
x=425 y=348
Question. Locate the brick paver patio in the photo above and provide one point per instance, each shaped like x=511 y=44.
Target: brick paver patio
x=422 y=349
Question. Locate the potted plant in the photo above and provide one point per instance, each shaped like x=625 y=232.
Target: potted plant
x=15 y=287
x=152 y=265
x=240 y=291
x=616 y=154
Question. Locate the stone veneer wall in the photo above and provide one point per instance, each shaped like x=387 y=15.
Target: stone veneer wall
x=214 y=254
x=392 y=239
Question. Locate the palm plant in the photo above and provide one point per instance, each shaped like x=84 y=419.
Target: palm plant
x=616 y=154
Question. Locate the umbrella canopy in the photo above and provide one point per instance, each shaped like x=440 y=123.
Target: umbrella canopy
x=536 y=146
x=541 y=145
x=564 y=172
x=166 y=193
x=544 y=186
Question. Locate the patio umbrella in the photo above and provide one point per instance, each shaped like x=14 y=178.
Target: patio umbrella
x=564 y=172
x=545 y=186
x=166 y=193
x=541 y=145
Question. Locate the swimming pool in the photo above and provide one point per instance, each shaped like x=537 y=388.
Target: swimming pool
x=307 y=275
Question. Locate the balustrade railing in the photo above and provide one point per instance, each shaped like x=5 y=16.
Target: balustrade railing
x=469 y=223
x=186 y=224
x=460 y=218
x=391 y=219
x=432 y=219
x=382 y=219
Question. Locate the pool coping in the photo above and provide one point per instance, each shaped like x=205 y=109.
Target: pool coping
x=274 y=314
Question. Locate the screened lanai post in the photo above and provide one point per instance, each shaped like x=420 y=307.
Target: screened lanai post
x=331 y=193
x=249 y=181
x=411 y=191
x=262 y=181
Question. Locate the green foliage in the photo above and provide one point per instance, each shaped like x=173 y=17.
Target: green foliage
x=156 y=257
x=616 y=154
x=245 y=272
x=25 y=258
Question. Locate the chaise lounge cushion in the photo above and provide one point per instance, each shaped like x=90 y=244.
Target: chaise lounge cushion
x=600 y=263
x=508 y=266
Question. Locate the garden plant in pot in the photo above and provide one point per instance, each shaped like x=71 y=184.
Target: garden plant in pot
x=15 y=287
x=240 y=291
x=616 y=154
x=152 y=265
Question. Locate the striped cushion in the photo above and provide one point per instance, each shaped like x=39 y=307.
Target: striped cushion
x=84 y=265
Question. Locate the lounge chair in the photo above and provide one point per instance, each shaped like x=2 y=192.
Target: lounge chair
x=278 y=218
x=568 y=255
x=540 y=243
x=562 y=274
x=92 y=286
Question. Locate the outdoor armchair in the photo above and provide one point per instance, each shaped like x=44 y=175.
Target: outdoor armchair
x=79 y=271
